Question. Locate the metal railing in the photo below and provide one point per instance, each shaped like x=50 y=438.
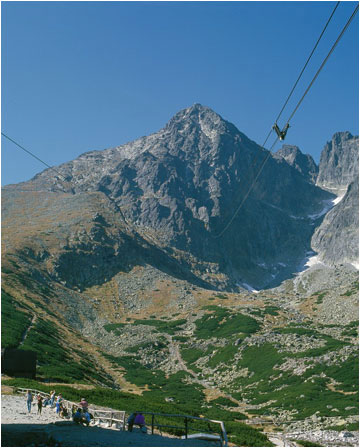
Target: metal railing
x=186 y=429
x=118 y=417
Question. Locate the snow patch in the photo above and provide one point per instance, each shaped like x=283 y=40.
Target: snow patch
x=338 y=199
x=248 y=287
x=312 y=261
x=356 y=265
x=328 y=204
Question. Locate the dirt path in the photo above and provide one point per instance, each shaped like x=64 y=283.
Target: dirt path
x=26 y=332
x=174 y=350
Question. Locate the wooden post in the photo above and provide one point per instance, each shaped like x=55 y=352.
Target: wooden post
x=111 y=419
x=152 y=423
x=186 y=428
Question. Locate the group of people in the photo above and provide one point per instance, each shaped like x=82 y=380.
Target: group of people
x=58 y=403
x=80 y=412
x=41 y=401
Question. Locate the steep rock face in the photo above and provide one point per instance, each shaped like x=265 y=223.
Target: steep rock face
x=303 y=163
x=336 y=239
x=339 y=162
x=180 y=187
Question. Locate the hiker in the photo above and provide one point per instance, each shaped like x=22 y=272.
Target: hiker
x=84 y=404
x=52 y=398
x=28 y=400
x=58 y=403
x=81 y=417
x=63 y=411
x=87 y=418
x=39 y=403
x=130 y=421
x=77 y=416
x=140 y=421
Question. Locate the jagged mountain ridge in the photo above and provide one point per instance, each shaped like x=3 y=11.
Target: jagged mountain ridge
x=339 y=162
x=180 y=186
x=303 y=163
x=336 y=239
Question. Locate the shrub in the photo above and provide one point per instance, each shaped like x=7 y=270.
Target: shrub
x=15 y=320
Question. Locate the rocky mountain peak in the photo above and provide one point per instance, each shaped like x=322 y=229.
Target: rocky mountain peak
x=198 y=118
x=341 y=137
x=339 y=162
x=303 y=163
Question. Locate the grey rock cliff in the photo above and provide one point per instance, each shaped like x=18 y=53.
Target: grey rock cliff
x=339 y=162
x=303 y=163
x=336 y=239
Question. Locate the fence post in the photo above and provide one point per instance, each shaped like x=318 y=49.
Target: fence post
x=111 y=419
x=186 y=428
x=152 y=424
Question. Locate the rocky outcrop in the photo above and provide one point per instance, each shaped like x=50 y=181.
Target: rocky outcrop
x=303 y=163
x=336 y=239
x=339 y=162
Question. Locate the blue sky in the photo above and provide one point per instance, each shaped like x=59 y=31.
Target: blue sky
x=78 y=76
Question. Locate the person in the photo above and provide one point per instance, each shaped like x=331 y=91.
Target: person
x=130 y=421
x=77 y=416
x=86 y=417
x=140 y=420
x=81 y=417
x=63 y=411
x=84 y=404
x=39 y=403
x=58 y=403
x=28 y=400
x=52 y=398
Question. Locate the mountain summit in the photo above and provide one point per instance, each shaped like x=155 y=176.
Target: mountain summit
x=180 y=187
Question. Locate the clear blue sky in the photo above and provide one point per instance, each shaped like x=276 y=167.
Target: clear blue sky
x=78 y=76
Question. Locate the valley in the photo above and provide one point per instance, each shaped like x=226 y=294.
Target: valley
x=118 y=278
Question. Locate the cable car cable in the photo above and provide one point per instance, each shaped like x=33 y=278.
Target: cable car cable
x=324 y=62
x=32 y=155
x=287 y=123
x=302 y=71
x=306 y=63
x=249 y=190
